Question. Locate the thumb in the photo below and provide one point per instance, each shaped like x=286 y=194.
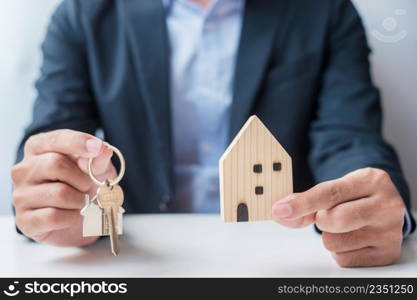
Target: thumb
x=101 y=164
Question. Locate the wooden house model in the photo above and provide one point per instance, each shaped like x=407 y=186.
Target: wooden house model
x=95 y=221
x=255 y=171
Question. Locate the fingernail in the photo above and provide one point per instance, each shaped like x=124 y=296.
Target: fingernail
x=282 y=210
x=93 y=145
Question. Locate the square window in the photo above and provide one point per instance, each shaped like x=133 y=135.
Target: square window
x=277 y=166
x=257 y=168
x=259 y=190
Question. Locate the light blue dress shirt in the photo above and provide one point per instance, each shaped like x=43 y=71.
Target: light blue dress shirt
x=203 y=47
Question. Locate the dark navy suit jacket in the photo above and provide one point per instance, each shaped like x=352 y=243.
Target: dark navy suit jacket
x=302 y=67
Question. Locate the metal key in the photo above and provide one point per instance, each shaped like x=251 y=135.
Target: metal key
x=110 y=198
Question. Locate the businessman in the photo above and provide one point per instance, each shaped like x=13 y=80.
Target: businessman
x=171 y=82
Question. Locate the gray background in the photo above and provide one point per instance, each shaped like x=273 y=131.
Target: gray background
x=22 y=27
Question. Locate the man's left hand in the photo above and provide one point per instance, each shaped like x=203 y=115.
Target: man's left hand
x=361 y=216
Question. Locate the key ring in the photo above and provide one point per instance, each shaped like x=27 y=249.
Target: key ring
x=108 y=181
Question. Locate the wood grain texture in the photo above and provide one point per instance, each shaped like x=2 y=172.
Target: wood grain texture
x=254 y=144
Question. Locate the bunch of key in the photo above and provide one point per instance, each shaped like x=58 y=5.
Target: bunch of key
x=103 y=214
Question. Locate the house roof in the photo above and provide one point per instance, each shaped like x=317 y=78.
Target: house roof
x=90 y=207
x=253 y=121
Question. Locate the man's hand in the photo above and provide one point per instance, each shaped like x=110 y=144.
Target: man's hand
x=50 y=183
x=361 y=216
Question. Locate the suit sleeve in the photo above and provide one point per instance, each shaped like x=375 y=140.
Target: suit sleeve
x=346 y=133
x=64 y=96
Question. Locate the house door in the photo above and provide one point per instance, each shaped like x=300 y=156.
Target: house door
x=242 y=213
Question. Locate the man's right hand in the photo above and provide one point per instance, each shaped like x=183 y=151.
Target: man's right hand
x=51 y=181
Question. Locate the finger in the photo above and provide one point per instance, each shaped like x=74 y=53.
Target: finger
x=353 y=215
x=56 y=167
x=294 y=223
x=349 y=216
x=58 y=195
x=322 y=196
x=38 y=221
x=100 y=164
x=362 y=238
x=64 y=141
x=365 y=257
x=67 y=237
x=349 y=241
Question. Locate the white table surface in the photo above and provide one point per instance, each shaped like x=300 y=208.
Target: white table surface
x=182 y=245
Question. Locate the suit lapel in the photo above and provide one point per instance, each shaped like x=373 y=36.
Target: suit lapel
x=260 y=23
x=150 y=52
